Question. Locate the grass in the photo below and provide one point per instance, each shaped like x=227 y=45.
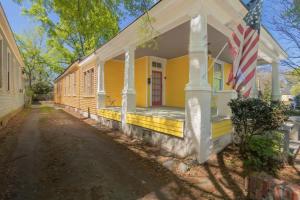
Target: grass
x=46 y=109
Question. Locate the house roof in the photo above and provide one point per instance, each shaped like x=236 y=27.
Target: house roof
x=7 y=31
x=69 y=68
x=109 y=43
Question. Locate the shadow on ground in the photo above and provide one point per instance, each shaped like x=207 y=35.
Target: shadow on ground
x=73 y=160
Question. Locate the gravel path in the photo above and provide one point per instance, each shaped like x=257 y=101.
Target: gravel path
x=49 y=154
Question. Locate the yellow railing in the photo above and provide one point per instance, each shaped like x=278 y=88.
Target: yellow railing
x=164 y=125
x=110 y=114
x=220 y=128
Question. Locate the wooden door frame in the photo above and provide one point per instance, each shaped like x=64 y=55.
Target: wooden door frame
x=163 y=70
x=161 y=87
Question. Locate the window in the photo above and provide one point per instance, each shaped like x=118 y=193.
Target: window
x=59 y=88
x=1 y=62
x=18 y=78
x=218 y=77
x=8 y=70
x=69 y=85
x=74 y=84
x=157 y=65
x=13 y=71
x=89 y=82
x=65 y=86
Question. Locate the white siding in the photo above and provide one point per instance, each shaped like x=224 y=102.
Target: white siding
x=13 y=99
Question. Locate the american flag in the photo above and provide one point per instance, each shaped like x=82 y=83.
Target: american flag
x=243 y=46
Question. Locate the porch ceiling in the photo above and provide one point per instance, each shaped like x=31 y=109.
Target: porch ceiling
x=175 y=43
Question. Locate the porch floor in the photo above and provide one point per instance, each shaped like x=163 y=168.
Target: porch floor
x=165 y=112
x=161 y=111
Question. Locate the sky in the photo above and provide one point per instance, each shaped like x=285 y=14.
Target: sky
x=20 y=23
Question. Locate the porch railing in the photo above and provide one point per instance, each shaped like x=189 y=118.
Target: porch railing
x=221 y=100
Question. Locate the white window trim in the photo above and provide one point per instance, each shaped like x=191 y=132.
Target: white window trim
x=222 y=63
x=8 y=69
x=163 y=61
x=85 y=89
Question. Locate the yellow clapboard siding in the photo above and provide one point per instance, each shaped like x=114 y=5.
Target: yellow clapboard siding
x=221 y=128
x=110 y=114
x=163 y=125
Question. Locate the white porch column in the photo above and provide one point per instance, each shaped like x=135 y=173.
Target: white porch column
x=198 y=91
x=128 y=93
x=254 y=92
x=100 y=85
x=276 y=95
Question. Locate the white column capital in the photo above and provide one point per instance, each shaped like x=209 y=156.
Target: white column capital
x=198 y=9
x=128 y=93
x=131 y=47
x=129 y=82
x=198 y=54
x=100 y=62
x=276 y=94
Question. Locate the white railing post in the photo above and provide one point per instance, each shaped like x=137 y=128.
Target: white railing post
x=223 y=98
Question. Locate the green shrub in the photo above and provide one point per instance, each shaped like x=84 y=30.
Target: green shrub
x=41 y=87
x=264 y=152
x=254 y=121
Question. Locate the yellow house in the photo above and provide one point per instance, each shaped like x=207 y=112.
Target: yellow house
x=175 y=95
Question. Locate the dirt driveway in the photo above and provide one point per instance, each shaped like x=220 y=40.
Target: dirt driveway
x=48 y=154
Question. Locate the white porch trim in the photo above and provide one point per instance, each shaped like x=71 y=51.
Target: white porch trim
x=100 y=86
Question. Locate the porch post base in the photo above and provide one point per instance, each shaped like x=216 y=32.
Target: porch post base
x=276 y=97
x=128 y=105
x=101 y=100
x=198 y=121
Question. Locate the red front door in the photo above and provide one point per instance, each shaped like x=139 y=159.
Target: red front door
x=156 y=88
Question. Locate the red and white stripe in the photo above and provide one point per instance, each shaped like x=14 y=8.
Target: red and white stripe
x=244 y=49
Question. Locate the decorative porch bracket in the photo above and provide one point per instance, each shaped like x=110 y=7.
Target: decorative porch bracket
x=276 y=95
x=128 y=93
x=198 y=91
x=100 y=87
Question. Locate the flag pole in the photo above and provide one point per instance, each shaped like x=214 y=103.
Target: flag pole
x=217 y=57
